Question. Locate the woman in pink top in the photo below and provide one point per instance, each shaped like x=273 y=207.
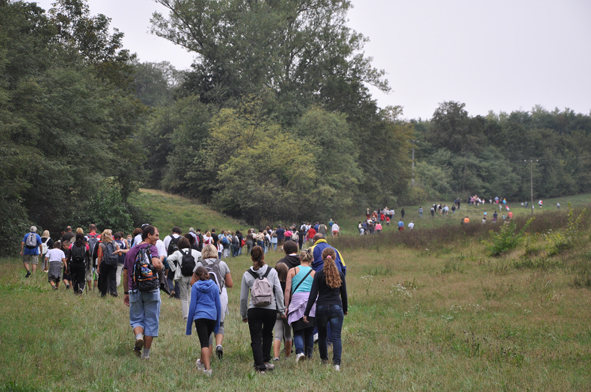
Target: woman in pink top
x=379 y=227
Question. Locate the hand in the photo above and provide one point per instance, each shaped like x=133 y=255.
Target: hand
x=98 y=271
x=345 y=313
x=126 y=299
x=244 y=320
x=305 y=319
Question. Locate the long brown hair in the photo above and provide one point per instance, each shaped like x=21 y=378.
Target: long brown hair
x=282 y=270
x=333 y=278
x=258 y=257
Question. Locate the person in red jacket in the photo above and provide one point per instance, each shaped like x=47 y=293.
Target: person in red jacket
x=311 y=234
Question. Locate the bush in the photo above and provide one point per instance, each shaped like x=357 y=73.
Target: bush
x=566 y=237
x=506 y=239
x=13 y=226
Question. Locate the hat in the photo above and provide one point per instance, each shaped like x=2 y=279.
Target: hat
x=145 y=225
x=33 y=229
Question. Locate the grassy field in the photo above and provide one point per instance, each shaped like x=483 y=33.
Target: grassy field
x=446 y=319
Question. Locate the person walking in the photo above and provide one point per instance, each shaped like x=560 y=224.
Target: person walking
x=55 y=258
x=282 y=329
x=329 y=293
x=78 y=261
x=182 y=263
x=108 y=251
x=143 y=284
x=266 y=300
x=31 y=248
x=297 y=291
x=205 y=311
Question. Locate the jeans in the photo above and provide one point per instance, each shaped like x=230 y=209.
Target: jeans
x=261 y=323
x=333 y=315
x=304 y=341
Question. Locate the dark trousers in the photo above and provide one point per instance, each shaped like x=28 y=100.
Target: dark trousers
x=204 y=329
x=108 y=279
x=261 y=323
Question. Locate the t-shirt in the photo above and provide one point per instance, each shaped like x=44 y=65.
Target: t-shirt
x=121 y=258
x=55 y=255
x=68 y=236
x=400 y=224
x=411 y=225
x=130 y=260
x=161 y=248
x=280 y=233
x=335 y=227
x=35 y=250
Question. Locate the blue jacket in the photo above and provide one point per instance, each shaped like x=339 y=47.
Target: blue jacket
x=318 y=263
x=205 y=304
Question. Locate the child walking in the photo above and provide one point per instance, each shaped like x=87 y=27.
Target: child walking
x=206 y=311
x=56 y=258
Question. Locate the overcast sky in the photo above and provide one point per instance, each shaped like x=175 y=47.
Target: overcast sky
x=492 y=55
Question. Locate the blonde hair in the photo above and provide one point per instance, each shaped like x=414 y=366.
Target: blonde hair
x=107 y=236
x=306 y=255
x=209 y=252
x=80 y=230
x=331 y=273
x=45 y=234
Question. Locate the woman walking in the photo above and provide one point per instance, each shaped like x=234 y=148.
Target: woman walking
x=107 y=264
x=266 y=301
x=331 y=306
x=297 y=291
x=205 y=311
x=282 y=328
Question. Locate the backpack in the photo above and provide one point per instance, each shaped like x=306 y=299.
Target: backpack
x=78 y=254
x=235 y=240
x=92 y=244
x=173 y=245
x=44 y=247
x=214 y=273
x=188 y=263
x=242 y=242
x=144 y=276
x=261 y=292
x=109 y=257
x=31 y=241
x=225 y=240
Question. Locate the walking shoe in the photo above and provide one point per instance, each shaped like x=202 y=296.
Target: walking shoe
x=337 y=368
x=270 y=366
x=300 y=357
x=315 y=337
x=200 y=366
x=146 y=358
x=139 y=344
x=28 y=274
x=207 y=372
x=54 y=287
x=275 y=359
x=67 y=287
x=219 y=351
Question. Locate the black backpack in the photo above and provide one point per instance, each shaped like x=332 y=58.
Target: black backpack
x=109 y=257
x=173 y=245
x=188 y=264
x=78 y=254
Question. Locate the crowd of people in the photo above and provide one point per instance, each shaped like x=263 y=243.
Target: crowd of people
x=303 y=296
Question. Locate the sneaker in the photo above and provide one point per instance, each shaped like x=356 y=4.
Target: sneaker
x=139 y=344
x=337 y=368
x=146 y=358
x=275 y=359
x=28 y=274
x=67 y=287
x=54 y=287
x=300 y=357
x=207 y=372
x=261 y=372
x=315 y=337
x=200 y=366
x=270 y=366
x=219 y=351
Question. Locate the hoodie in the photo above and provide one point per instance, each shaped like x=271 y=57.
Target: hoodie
x=205 y=304
x=248 y=281
x=318 y=263
x=290 y=261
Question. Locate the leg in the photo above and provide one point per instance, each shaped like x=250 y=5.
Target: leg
x=255 y=325
x=336 y=323
x=112 y=280
x=309 y=342
x=268 y=323
x=321 y=323
x=287 y=339
x=298 y=340
x=278 y=329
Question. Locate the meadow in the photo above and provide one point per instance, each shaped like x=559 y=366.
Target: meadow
x=446 y=318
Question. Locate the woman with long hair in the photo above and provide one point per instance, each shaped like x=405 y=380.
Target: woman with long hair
x=331 y=306
x=259 y=315
x=107 y=264
x=297 y=290
x=46 y=245
x=78 y=261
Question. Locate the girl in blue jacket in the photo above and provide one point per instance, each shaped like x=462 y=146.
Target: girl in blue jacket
x=206 y=311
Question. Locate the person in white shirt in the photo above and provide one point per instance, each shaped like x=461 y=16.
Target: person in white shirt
x=56 y=258
x=335 y=229
x=176 y=233
x=411 y=225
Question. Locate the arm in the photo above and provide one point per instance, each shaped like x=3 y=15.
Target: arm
x=22 y=246
x=229 y=282
x=244 y=299
x=99 y=258
x=311 y=297
x=279 y=300
x=218 y=306
x=290 y=275
x=192 y=307
x=344 y=295
x=125 y=288
x=157 y=262
x=40 y=244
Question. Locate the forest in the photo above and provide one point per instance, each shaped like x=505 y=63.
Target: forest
x=273 y=122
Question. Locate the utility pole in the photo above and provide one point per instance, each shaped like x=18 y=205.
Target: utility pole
x=531 y=179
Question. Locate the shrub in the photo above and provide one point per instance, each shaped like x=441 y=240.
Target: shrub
x=506 y=239
x=566 y=237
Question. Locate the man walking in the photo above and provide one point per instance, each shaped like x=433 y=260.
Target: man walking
x=31 y=249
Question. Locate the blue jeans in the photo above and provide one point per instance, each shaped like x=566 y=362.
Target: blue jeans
x=330 y=315
x=304 y=341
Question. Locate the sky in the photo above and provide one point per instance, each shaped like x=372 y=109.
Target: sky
x=491 y=55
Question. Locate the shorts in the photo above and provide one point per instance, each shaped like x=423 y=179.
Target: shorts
x=88 y=274
x=33 y=259
x=282 y=330
x=144 y=311
x=204 y=329
x=55 y=269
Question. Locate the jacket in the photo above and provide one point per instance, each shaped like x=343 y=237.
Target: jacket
x=205 y=304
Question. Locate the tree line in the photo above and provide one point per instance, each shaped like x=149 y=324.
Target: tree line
x=273 y=122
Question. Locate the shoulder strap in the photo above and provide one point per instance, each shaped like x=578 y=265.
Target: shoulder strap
x=266 y=273
x=254 y=274
x=301 y=281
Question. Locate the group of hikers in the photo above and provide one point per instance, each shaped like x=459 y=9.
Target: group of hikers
x=303 y=295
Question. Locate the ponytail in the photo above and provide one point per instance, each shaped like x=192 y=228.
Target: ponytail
x=331 y=273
